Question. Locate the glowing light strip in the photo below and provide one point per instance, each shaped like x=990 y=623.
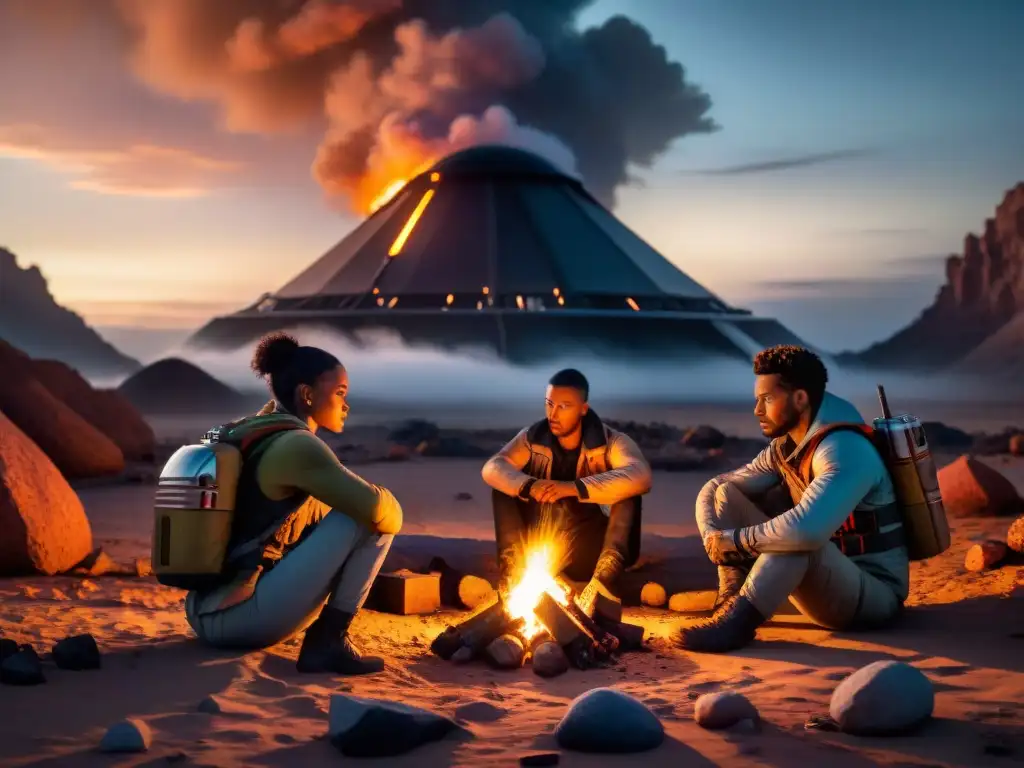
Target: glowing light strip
x=396 y=247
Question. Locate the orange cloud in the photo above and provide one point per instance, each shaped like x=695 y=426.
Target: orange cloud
x=144 y=170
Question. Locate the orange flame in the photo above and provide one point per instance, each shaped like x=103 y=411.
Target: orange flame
x=541 y=560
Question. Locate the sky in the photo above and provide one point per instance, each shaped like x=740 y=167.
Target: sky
x=858 y=143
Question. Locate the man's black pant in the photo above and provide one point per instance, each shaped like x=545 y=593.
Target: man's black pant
x=584 y=525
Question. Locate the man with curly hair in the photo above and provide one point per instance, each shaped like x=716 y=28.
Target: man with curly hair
x=813 y=518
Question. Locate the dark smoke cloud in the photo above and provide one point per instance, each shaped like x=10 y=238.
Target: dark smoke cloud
x=396 y=82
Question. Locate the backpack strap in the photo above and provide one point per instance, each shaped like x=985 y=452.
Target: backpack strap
x=806 y=456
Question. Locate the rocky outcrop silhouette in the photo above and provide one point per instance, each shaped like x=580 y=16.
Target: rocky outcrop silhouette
x=983 y=294
x=106 y=409
x=31 y=320
x=44 y=526
x=76 y=447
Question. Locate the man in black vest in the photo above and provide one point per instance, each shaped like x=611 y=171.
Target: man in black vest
x=579 y=476
x=836 y=547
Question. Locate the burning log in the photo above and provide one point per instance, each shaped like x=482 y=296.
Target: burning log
x=476 y=632
x=580 y=646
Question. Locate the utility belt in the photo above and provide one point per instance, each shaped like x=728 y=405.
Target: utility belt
x=860 y=534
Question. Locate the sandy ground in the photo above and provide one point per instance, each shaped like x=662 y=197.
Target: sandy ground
x=963 y=630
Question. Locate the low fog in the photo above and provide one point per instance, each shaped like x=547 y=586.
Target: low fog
x=386 y=372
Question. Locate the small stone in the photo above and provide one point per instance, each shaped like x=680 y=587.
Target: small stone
x=22 y=668
x=609 y=721
x=1015 y=536
x=653 y=595
x=363 y=727
x=883 y=698
x=549 y=660
x=506 y=652
x=723 y=709
x=127 y=736
x=463 y=496
x=7 y=648
x=77 y=653
x=540 y=759
x=209 y=706
x=1016 y=445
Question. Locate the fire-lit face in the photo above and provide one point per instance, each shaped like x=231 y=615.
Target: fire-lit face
x=777 y=408
x=565 y=409
x=329 y=397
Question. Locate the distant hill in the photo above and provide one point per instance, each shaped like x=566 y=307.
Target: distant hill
x=31 y=320
x=975 y=324
x=176 y=386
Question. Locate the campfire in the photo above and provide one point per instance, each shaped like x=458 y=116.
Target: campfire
x=542 y=619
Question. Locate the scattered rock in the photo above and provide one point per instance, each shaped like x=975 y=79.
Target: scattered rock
x=127 y=736
x=676 y=457
x=704 y=437
x=22 y=668
x=414 y=432
x=479 y=712
x=549 y=660
x=77 y=653
x=1015 y=536
x=690 y=602
x=883 y=698
x=985 y=555
x=723 y=709
x=143 y=567
x=1017 y=444
x=7 y=647
x=44 y=526
x=609 y=721
x=540 y=759
x=363 y=727
x=971 y=488
x=453 y=447
x=463 y=496
x=653 y=595
x=506 y=652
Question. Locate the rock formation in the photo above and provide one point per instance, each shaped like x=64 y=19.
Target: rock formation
x=74 y=445
x=44 y=526
x=983 y=293
x=106 y=409
x=175 y=386
x=33 y=321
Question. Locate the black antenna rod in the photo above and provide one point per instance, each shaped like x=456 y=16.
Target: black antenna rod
x=886 y=413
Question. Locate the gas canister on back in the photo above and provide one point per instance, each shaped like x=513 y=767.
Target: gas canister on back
x=193 y=512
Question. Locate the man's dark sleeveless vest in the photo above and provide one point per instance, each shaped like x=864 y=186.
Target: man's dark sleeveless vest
x=860 y=532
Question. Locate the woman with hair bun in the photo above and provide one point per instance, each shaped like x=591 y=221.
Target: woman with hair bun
x=309 y=536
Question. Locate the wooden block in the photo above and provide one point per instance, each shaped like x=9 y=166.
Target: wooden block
x=405 y=593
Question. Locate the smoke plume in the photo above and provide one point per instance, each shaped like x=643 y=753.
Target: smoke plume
x=396 y=84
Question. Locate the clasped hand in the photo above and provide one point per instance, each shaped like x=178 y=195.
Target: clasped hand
x=547 y=491
x=723 y=548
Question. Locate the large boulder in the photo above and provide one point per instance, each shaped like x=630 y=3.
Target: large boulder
x=74 y=445
x=971 y=488
x=106 y=409
x=44 y=526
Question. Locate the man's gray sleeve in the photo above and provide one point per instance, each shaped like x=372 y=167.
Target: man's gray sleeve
x=846 y=469
x=756 y=477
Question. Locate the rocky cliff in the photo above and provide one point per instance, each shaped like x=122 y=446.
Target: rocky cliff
x=33 y=321
x=983 y=292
